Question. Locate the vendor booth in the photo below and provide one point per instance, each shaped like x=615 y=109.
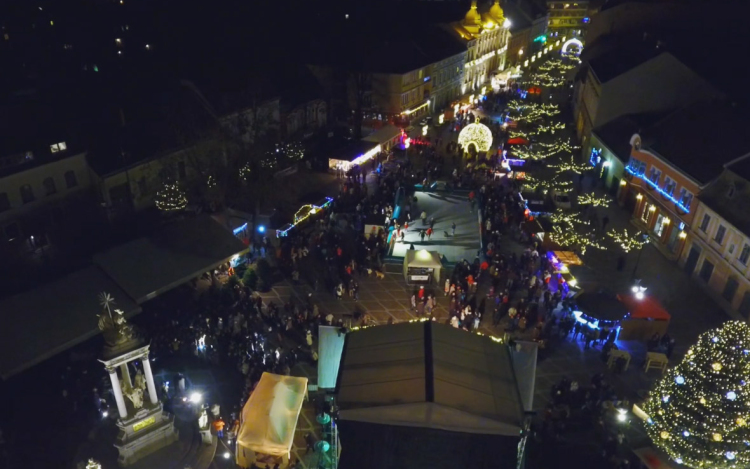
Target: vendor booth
x=354 y=154
x=422 y=267
x=269 y=419
x=635 y=319
x=645 y=318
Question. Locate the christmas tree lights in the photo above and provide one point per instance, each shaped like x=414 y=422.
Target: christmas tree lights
x=591 y=199
x=699 y=411
x=626 y=241
x=170 y=198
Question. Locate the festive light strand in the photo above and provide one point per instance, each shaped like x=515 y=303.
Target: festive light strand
x=626 y=241
x=170 y=198
x=698 y=413
x=591 y=199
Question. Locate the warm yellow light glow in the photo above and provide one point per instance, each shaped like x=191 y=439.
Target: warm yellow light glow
x=652 y=208
x=478 y=134
x=683 y=235
x=667 y=221
x=520 y=51
x=412 y=111
x=506 y=23
x=623 y=183
x=573 y=282
x=424 y=130
x=639 y=196
x=441 y=118
x=716 y=366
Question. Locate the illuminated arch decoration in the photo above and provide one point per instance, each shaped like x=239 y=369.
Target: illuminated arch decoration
x=478 y=134
x=571 y=42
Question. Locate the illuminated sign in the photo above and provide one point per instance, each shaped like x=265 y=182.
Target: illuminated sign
x=541 y=38
x=144 y=423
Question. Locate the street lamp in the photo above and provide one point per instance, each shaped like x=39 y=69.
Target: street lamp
x=639 y=290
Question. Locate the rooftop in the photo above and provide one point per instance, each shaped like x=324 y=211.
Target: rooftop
x=175 y=254
x=616 y=134
x=732 y=208
x=700 y=138
x=54 y=317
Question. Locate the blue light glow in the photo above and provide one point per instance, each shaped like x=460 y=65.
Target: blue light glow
x=659 y=189
x=261 y=229
x=679 y=380
x=240 y=229
x=731 y=395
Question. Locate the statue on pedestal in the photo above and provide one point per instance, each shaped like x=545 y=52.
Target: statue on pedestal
x=115 y=328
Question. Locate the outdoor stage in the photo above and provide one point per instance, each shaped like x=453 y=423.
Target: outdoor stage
x=446 y=209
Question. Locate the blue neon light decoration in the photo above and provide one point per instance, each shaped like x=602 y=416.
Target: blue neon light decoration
x=659 y=189
x=596 y=156
x=239 y=229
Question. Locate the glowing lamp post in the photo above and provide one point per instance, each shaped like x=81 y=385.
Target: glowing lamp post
x=639 y=290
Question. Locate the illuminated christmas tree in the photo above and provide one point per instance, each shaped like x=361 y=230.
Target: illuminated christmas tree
x=170 y=198
x=699 y=412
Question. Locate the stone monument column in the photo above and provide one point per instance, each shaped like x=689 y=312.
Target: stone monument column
x=118 y=393
x=125 y=371
x=149 y=380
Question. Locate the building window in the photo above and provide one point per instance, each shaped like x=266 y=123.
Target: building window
x=704 y=223
x=686 y=198
x=669 y=185
x=27 y=194
x=720 y=234
x=661 y=223
x=654 y=175
x=4 y=202
x=707 y=269
x=637 y=167
x=70 y=179
x=57 y=147
x=730 y=289
x=49 y=186
x=647 y=209
x=744 y=255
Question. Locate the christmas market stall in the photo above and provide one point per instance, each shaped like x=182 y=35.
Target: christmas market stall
x=646 y=317
x=269 y=419
x=422 y=267
x=353 y=155
x=635 y=319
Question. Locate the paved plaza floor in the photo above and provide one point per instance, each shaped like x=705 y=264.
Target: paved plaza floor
x=446 y=209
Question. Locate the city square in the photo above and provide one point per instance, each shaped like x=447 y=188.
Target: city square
x=491 y=240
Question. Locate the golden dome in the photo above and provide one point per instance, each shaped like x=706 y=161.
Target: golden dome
x=496 y=12
x=472 y=16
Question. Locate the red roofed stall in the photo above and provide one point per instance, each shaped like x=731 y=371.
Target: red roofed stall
x=645 y=318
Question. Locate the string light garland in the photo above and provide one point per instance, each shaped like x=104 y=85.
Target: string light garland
x=703 y=404
x=554 y=184
x=591 y=199
x=570 y=238
x=572 y=166
x=170 y=198
x=626 y=241
x=543 y=150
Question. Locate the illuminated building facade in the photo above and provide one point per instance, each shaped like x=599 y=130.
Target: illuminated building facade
x=568 y=18
x=486 y=36
x=718 y=253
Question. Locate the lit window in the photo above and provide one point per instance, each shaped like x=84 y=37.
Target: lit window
x=56 y=147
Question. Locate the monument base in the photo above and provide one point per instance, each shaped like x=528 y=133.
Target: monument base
x=148 y=430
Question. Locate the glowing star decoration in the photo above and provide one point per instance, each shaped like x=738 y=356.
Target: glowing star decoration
x=706 y=416
x=477 y=134
x=170 y=198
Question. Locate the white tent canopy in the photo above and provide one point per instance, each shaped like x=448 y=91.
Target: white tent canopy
x=269 y=418
x=423 y=259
